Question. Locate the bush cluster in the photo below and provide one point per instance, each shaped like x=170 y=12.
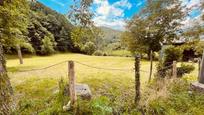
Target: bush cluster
x=171 y=54
x=184 y=69
x=89 y=48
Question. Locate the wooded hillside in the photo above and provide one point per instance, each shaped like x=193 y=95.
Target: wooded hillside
x=46 y=32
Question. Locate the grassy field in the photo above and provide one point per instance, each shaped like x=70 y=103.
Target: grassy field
x=82 y=72
x=39 y=85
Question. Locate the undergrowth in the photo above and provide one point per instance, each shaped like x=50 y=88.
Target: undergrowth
x=172 y=97
x=161 y=97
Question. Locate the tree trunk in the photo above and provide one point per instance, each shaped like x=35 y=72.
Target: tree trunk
x=18 y=48
x=151 y=64
x=5 y=86
x=149 y=54
x=137 y=79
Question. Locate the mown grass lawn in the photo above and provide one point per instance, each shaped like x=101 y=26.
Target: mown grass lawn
x=40 y=85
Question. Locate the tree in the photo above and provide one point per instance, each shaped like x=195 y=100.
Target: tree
x=13 y=23
x=44 y=20
x=5 y=86
x=83 y=37
x=80 y=13
x=47 y=46
x=157 y=23
x=12 y=26
x=202 y=7
x=85 y=33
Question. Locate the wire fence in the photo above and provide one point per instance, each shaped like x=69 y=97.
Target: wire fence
x=53 y=70
x=111 y=69
x=81 y=63
x=96 y=67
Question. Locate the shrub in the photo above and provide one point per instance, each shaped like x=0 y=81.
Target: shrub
x=122 y=53
x=105 y=54
x=28 y=47
x=47 y=47
x=98 y=53
x=89 y=48
x=184 y=69
x=101 y=105
x=172 y=53
x=173 y=99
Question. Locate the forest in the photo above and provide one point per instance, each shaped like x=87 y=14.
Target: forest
x=53 y=63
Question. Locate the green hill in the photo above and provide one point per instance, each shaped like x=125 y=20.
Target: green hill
x=111 y=35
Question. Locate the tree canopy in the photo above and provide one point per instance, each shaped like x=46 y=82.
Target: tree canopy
x=157 y=23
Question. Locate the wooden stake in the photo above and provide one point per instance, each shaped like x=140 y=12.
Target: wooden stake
x=199 y=64
x=201 y=75
x=174 y=71
x=72 y=79
x=19 y=54
x=137 y=79
x=151 y=64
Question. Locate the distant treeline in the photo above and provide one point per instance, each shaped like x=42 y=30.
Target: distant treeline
x=47 y=32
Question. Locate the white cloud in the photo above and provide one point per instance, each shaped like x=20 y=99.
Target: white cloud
x=104 y=7
x=192 y=6
x=118 y=24
x=189 y=22
x=111 y=15
x=139 y=4
x=123 y=4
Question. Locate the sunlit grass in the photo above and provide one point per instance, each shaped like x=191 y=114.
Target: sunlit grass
x=41 y=84
x=120 y=53
x=82 y=72
x=29 y=82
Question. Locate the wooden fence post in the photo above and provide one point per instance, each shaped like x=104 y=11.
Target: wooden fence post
x=151 y=64
x=18 y=48
x=137 y=79
x=174 y=70
x=72 y=79
x=199 y=64
x=201 y=75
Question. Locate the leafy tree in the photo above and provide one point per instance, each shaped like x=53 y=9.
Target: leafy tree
x=12 y=27
x=13 y=23
x=82 y=36
x=98 y=38
x=37 y=32
x=80 y=13
x=157 y=23
x=44 y=20
x=84 y=31
x=47 y=46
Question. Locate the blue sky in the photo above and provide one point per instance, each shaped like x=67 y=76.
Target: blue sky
x=113 y=13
